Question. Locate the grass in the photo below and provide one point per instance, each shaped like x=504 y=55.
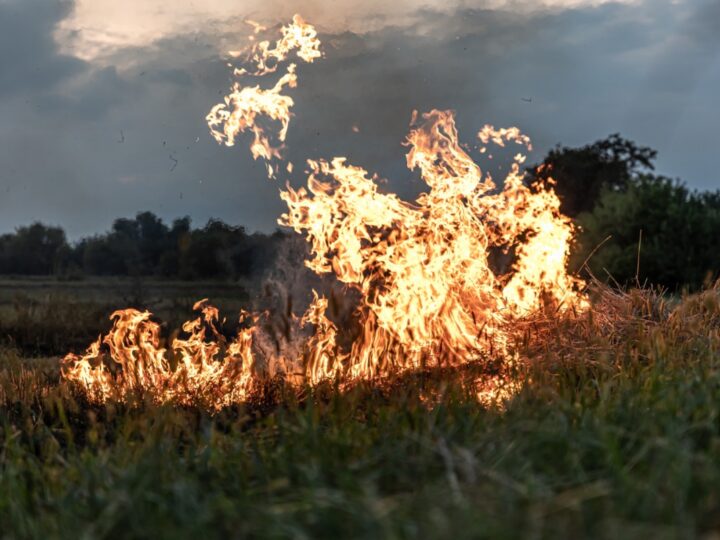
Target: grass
x=41 y=316
x=615 y=434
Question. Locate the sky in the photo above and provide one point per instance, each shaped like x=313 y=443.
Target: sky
x=103 y=103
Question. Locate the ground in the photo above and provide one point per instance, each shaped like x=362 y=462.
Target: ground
x=615 y=433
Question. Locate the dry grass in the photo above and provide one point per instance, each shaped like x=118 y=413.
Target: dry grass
x=42 y=317
x=614 y=433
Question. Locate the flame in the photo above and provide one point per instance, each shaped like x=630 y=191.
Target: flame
x=431 y=290
x=423 y=269
x=142 y=366
x=245 y=105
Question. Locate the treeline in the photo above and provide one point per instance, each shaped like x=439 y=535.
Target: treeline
x=143 y=246
x=635 y=226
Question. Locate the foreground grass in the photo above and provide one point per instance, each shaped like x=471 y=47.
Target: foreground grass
x=616 y=433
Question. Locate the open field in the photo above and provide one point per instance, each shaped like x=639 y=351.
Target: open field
x=42 y=317
x=615 y=433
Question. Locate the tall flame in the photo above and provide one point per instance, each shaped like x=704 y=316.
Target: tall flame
x=430 y=292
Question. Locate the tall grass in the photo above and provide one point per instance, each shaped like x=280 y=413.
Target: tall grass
x=615 y=433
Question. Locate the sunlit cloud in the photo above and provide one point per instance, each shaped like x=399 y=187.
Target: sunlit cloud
x=99 y=28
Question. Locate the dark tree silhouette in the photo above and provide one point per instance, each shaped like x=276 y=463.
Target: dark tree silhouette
x=33 y=250
x=581 y=174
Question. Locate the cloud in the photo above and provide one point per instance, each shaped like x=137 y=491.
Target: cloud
x=98 y=28
x=28 y=52
x=83 y=142
x=704 y=24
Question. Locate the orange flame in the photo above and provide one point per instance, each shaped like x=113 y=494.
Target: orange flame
x=243 y=107
x=431 y=292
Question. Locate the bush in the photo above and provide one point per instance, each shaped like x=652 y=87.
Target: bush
x=680 y=234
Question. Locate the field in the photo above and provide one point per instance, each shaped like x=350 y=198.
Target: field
x=614 y=433
x=42 y=317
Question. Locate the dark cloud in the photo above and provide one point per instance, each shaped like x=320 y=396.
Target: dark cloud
x=704 y=24
x=82 y=144
x=29 y=58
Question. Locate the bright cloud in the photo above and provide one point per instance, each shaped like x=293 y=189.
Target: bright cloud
x=100 y=27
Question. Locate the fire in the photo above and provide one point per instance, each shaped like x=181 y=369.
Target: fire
x=432 y=292
x=143 y=367
x=244 y=106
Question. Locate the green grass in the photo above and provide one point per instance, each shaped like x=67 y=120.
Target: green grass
x=615 y=434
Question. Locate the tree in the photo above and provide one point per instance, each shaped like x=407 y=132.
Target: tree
x=32 y=250
x=680 y=234
x=141 y=246
x=178 y=241
x=581 y=175
x=210 y=251
x=153 y=241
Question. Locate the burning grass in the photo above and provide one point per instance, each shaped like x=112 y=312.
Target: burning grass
x=428 y=294
x=614 y=431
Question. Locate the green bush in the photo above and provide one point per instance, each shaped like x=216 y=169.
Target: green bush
x=680 y=228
